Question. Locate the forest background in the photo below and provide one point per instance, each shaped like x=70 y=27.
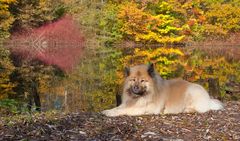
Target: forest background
x=198 y=40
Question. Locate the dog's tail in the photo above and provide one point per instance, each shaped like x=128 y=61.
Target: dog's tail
x=215 y=104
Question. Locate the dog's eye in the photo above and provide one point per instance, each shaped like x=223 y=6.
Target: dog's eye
x=133 y=79
x=143 y=80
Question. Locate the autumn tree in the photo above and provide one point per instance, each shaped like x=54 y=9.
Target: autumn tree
x=35 y=51
x=144 y=25
x=6 y=18
x=6 y=69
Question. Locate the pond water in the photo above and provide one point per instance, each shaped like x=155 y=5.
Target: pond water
x=93 y=85
x=89 y=87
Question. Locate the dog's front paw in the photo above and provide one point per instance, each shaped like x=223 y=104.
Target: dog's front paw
x=110 y=113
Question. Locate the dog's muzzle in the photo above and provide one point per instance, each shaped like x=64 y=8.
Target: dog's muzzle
x=138 y=90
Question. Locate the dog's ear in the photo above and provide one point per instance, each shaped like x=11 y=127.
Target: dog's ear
x=126 y=71
x=151 y=71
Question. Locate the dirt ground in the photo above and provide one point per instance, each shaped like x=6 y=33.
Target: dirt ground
x=213 y=125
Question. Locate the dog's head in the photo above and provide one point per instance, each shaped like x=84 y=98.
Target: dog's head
x=139 y=79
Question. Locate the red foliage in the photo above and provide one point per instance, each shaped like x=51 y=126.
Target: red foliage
x=191 y=22
x=59 y=43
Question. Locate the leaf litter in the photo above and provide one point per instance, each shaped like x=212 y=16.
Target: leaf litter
x=213 y=125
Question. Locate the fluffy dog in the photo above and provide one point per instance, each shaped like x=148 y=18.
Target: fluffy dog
x=145 y=93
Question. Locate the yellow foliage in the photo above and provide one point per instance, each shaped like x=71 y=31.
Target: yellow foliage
x=197 y=65
x=165 y=59
x=172 y=20
x=6 y=68
x=224 y=20
x=144 y=26
x=6 y=19
x=200 y=66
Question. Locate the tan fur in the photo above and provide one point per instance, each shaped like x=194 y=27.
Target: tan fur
x=176 y=95
x=161 y=96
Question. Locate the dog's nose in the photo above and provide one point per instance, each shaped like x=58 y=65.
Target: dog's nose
x=136 y=89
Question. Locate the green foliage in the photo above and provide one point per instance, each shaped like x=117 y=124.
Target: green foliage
x=8 y=106
x=109 y=23
x=87 y=13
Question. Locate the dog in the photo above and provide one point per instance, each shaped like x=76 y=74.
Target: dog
x=146 y=93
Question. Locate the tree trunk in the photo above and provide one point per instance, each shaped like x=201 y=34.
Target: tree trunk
x=36 y=97
x=66 y=109
x=119 y=91
x=118 y=99
x=118 y=95
x=214 y=89
x=29 y=106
